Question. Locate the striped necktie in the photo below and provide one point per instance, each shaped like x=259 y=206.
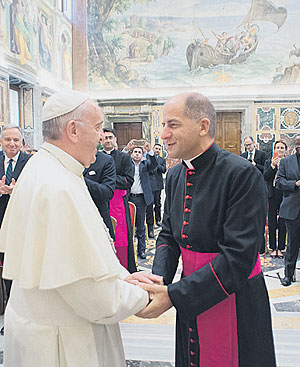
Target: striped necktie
x=9 y=171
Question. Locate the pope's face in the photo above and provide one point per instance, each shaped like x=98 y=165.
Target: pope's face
x=90 y=132
x=11 y=142
x=180 y=134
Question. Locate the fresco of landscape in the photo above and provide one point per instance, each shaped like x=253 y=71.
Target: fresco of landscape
x=175 y=43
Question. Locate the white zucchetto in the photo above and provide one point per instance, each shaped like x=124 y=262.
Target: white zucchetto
x=61 y=103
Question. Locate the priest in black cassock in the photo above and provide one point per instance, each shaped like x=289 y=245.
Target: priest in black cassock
x=213 y=220
x=118 y=205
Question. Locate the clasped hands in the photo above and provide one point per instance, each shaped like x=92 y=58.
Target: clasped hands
x=6 y=189
x=159 y=300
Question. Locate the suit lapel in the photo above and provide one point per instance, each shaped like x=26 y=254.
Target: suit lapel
x=2 y=171
x=19 y=165
x=295 y=166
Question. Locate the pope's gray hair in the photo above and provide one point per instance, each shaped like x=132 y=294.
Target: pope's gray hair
x=11 y=126
x=52 y=129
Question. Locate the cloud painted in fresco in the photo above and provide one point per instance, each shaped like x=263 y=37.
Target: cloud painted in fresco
x=192 y=8
x=197 y=8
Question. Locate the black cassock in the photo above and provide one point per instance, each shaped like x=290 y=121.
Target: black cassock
x=214 y=217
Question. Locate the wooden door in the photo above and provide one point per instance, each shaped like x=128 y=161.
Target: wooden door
x=228 y=131
x=127 y=131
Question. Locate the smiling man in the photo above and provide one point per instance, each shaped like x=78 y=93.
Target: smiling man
x=69 y=290
x=11 y=164
x=212 y=220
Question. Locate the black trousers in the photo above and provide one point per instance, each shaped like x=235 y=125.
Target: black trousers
x=140 y=204
x=157 y=210
x=273 y=223
x=292 y=248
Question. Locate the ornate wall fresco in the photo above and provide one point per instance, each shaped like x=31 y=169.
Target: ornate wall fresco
x=274 y=122
x=174 y=43
x=37 y=35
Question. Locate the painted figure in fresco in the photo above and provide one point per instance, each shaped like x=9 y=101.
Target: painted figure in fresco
x=235 y=49
x=66 y=58
x=45 y=43
x=20 y=31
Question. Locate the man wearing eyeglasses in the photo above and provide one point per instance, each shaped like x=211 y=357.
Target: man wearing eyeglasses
x=255 y=156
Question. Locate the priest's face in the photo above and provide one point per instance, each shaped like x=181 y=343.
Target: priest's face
x=11 y=142
x=90 y=133
x=180 y=134
x=109 y=141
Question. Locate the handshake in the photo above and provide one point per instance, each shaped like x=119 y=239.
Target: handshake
x=159 y=300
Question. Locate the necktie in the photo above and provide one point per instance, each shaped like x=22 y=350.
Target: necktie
x=8 y=175
x=250 y=156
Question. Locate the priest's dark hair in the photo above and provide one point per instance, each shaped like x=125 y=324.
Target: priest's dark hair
x=109 y=130
x=197 y=106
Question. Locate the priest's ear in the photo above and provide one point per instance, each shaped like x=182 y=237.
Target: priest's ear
x=204 y=124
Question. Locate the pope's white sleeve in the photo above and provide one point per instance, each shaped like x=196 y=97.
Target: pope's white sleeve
x=104 y=301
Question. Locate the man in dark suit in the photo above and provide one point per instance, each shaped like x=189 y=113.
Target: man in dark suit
x=255 y=156
x=276 y=243
x=288 y=180
x=141 y=192
x=118 y=205
x=157 y=184
x=100 y=178
x=12 y=161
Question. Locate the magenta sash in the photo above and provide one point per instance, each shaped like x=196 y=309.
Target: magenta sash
x=217 y=327
x=117 y=210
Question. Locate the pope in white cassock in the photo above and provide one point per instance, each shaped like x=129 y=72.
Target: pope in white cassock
x=69 y=290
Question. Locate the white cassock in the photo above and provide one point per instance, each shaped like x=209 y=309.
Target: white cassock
x=68 y=293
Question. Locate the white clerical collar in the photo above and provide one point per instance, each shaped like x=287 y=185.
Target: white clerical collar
x=108 y=151
x=188 y=161
x=15 y=158
x=64 y=158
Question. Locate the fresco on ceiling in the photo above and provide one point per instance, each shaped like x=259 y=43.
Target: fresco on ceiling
x=171 y=43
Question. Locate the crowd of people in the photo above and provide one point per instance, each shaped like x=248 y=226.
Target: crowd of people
x=282 y=177
x=69 y=256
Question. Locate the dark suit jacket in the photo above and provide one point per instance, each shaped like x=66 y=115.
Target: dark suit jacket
x=259 y=159
x=269 y=175
x=145 y=167
x=22 y=160
x=100 y=178
x=288 y=174
x=156 y=177
x=124 y=170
